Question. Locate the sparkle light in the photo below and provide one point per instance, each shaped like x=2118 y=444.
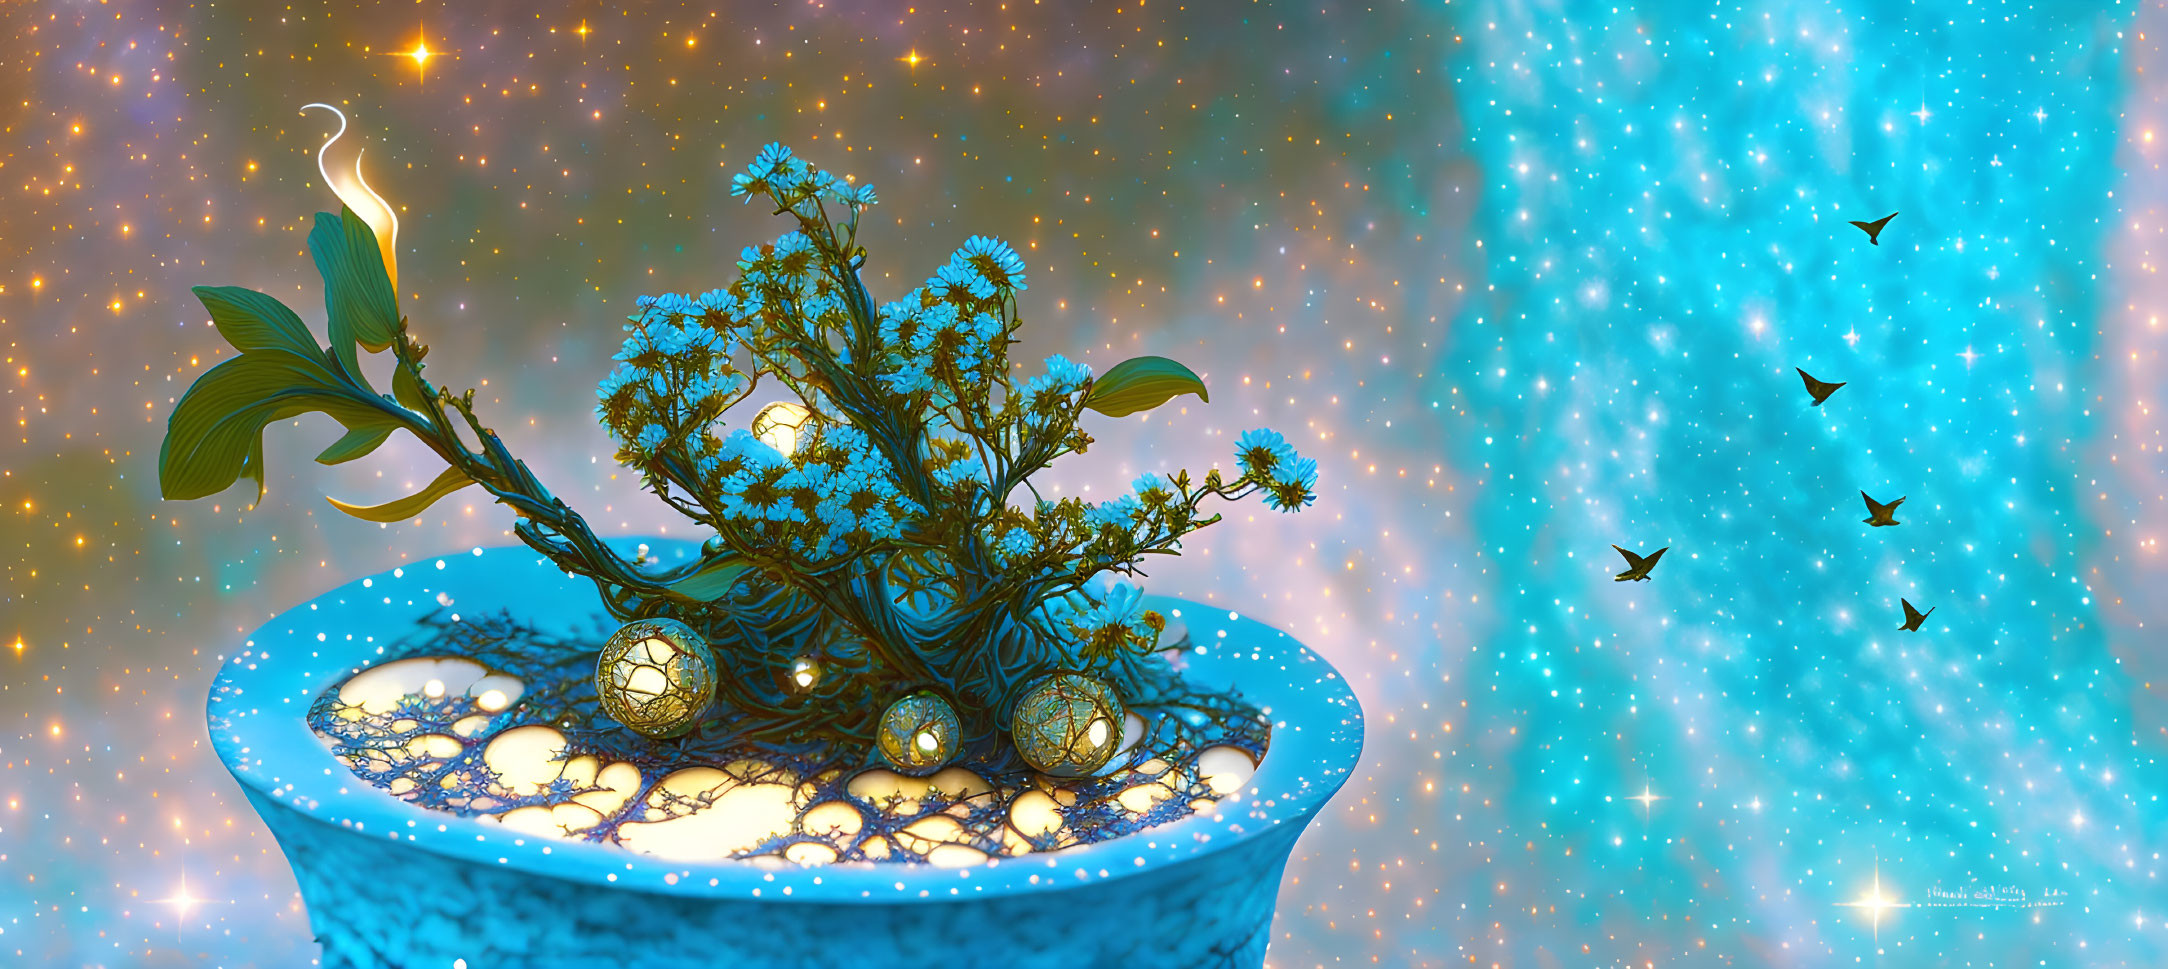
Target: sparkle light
x=182 y=901
x=1874 y=902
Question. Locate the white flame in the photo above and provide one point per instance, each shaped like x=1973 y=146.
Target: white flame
x=358 y=196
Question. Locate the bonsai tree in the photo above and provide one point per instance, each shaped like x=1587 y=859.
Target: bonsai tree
x=882 y=578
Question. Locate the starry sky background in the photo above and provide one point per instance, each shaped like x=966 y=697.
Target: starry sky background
x=1527 y=278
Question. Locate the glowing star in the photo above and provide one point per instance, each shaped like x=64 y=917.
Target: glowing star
x=181 y=900
x=1645 y=797
x=1875 y=902
x=421 y=53
x=358 y=196
x=912 y=58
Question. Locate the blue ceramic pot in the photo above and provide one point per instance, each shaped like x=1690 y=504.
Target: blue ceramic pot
x=389 y=884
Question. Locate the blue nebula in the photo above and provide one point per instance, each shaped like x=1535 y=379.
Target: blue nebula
x=1663 y=225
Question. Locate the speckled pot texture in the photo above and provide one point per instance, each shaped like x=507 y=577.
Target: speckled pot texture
x=389 y=884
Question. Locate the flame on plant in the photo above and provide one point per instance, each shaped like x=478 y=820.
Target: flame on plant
x=357 y=195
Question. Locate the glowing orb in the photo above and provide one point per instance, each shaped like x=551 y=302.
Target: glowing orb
x=780 y=425
x=919 y=734
x=656 y=676
x=1067 y=725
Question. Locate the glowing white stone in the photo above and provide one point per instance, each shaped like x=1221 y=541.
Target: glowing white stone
x=1035 y=814
x=433 y=689
x=810 y=853
x=525 y=758
x=380 y=689
x=507 y=688
x=1139 y=798
x=1097 y=732
x=831 y=819
x=618 y=783
x=1225 y=769
x=710 y=815
x=469 y=726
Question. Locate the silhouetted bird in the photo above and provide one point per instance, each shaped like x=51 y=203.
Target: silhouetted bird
x=1638 y=566
x=1879 y=514
x=1818 y=389
x=1874 y=229
x=1913 y=617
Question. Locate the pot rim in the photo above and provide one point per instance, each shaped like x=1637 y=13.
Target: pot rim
x=268 y=746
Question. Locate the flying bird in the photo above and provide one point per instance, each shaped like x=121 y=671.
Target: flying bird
x=1874 y=229
x=1913 y=617
x=1638 y=566
x=1818 y=389
x=1879 y=514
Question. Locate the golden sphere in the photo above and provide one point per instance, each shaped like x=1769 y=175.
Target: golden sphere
x=919 y=734
x=781 y=425
x=656 y=676
x=1067 y=725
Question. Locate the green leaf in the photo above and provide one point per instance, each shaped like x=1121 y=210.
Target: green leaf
x=407 y=388
x=398 y=511
x=1140 y=384
x=357 y=291
x=254 y=322
x=358 y=442
x=711 y=581
x=215 y=434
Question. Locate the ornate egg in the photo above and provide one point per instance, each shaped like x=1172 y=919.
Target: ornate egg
x=656 y=676
x=1067 y=725
x=919 y=734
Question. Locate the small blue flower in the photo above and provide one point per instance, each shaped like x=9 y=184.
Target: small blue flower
x=752 y=451
x=1014 y=544
x=1119 y=512
x=958 y=282
x=1261 y=450
x=1292 y=488
x=1153 y=490
x=651 y=437
x=773 y=156
x=994 y=260
x=718 y=302
x=1121 y=607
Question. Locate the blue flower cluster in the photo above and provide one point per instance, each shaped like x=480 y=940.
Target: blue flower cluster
x=793 y=181
x=1287 y=478
x=832 y=494
x=1122 y=608
x=942 y=351
x=1063 y=377
x=939 y=342
x=673 y=376
x=950 y=334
